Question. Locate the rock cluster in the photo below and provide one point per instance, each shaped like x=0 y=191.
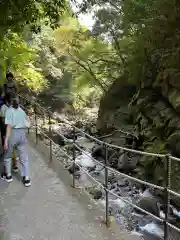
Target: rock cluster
x=153 y=115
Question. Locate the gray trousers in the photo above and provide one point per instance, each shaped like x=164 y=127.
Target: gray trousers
x=17 y=140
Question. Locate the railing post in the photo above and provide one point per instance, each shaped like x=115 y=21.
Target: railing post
x=167 y=195
x=106 y=185
x=24 y=104
x=50 y=135
x=28 y=128
x=28 y=131
x=74 y=155
x=35 y=118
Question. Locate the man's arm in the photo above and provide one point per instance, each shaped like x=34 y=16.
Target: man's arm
x=9 y=123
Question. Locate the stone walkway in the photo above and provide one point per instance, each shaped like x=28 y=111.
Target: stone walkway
x=48 y=210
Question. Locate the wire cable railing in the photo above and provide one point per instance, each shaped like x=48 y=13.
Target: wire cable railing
x=47 y=116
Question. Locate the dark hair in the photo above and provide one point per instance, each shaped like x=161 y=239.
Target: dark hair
x=9 y=75
x=15 y=102
x=7 y=99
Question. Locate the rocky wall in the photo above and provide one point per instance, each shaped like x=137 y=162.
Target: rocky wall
x=153 y=116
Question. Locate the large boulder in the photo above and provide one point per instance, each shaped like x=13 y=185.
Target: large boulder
x=149 y=204
x=123 y=161
x=152 y=113
x=174 y=99
x=95 y=192
x=127 y=161
x=173 y=143
x=58 y=139
x=175 y=201
x=113 y=110
x=98 y=152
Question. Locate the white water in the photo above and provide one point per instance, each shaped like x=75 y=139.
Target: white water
x=85 y=160
x=147 y=227
x=153 y=229
x=118 y=205
x=146 y=193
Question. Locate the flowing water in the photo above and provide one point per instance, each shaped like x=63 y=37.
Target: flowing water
x=142 y=225
x=138 y=224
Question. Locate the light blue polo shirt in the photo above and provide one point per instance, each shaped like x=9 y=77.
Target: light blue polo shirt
x=15 y=117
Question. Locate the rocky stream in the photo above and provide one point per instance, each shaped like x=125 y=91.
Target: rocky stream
x=90 y=160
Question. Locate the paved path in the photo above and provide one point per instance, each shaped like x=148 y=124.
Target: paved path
x=48 y=210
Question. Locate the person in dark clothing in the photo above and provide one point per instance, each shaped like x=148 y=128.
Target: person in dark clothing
x=1 y=97
x=1 y=119
x=4 y=108
x=10 y=86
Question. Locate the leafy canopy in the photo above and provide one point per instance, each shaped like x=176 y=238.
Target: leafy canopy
x=15 y=55
x=15 y=14
x=91 y=61
x=19 y=21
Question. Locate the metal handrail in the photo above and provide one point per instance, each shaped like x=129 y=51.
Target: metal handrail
x=167 y=189
x=99 y=141
x=100 y=184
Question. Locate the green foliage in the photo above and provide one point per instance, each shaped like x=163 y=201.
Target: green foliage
x=35 y=79
x=19 y=21
x=144 y=39
x=15 y=52
x=87 y=97
x=16 y=56
x=14 y=15
x=92 y=62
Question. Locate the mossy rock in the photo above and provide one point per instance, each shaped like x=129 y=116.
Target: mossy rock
x=173 y=144
x=174 y=99
x=149 y=204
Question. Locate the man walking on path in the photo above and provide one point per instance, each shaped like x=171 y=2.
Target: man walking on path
x=3 y=110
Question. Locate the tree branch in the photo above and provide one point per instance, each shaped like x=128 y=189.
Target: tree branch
x=116 y=6
x=89 y=70
x=117 y=46
x=104 y=60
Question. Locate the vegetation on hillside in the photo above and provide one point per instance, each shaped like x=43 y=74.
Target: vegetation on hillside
x=132 y=48
x=19 y=21
x=145 y=36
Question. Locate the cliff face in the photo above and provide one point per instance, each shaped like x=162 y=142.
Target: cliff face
x=153 y=113
x=113 y=110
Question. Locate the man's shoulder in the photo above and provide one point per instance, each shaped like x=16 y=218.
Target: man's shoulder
x=9 y=110
x=4 y=106
x=21 y=110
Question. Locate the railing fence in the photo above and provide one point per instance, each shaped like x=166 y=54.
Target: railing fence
x=48 y=116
